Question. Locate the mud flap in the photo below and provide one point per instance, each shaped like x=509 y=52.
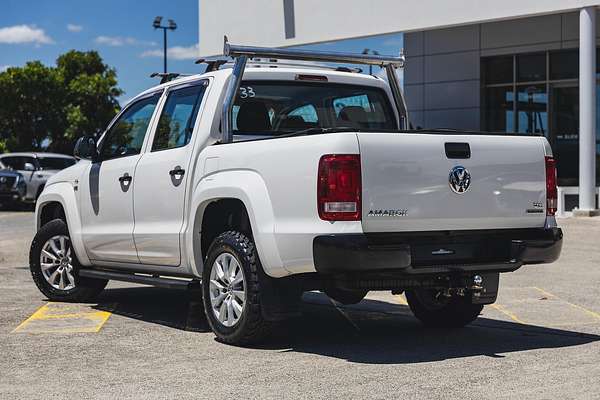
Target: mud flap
x=280 y=298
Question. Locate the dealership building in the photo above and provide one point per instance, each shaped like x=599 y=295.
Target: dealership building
x=525 y=66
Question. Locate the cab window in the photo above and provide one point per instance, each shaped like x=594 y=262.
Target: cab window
x=273 y=108
x=178 y=117
x=126 y=135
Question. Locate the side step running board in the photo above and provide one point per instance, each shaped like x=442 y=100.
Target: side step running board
x=167 y=283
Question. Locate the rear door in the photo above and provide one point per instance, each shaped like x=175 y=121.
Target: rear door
x=411 y=182
x=106 y=200
x=161 y=177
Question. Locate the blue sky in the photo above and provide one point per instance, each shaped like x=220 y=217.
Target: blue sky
x=121 y=31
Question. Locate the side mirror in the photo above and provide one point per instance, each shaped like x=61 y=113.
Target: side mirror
x=85 y=148
x=29 y=166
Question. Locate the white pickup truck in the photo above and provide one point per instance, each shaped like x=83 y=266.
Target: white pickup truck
x=259 y=183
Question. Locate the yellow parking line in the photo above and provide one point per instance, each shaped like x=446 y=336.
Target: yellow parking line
x=508 y=313
x=587 y=311
x=64 y=318
x=35 y=315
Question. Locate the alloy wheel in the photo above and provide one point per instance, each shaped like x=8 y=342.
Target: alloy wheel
x=56 y=263
x=227 y=289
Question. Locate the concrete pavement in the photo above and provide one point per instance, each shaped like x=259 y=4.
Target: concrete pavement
x=540 y=340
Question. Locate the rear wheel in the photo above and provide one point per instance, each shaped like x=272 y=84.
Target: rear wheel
x=434 y=309
x=231 y=290
x=55 y=268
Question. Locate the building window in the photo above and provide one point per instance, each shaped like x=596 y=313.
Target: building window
x=498 y=70
x=564 y=64
x=531 y=67
x=538 y=93
x=499 y=109
x=532 y=109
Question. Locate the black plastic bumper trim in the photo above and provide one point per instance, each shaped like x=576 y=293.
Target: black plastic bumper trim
x=481 y=250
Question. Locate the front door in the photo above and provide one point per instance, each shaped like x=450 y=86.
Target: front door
x=161 y=176
x=106 y=200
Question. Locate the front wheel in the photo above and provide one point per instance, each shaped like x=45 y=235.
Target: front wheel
x=55 y=268
x=231 y=290
x=438 y=311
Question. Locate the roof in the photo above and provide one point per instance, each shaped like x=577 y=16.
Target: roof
x=268 y=72
x=37 y=154
x=304 y=22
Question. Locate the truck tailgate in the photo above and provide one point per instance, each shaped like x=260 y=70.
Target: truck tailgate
x=406 y=182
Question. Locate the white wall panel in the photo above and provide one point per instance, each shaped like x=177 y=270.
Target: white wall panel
x=452 y=67
x=261 y=22
x=461 y=94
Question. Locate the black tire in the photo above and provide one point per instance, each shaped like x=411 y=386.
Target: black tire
x=453 y=312
x=345 y=296
x=251 y=328
x=85 y=290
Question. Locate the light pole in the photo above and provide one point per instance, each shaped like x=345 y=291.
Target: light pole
x=171 y=26
x=374 y=52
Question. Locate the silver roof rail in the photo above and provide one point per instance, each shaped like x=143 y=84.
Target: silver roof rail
x=274 y=63
x=241 y=54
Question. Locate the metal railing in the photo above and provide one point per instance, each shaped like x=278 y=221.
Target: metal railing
x=241 y=54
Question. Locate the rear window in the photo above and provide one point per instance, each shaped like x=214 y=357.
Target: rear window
x=55 y=162
x=271 y=108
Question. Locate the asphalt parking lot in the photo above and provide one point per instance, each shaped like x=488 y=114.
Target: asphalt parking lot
x=540 y=340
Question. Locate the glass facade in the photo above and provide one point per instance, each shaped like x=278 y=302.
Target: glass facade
x=539 y=93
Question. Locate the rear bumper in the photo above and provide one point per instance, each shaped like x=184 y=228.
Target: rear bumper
x=445 y=252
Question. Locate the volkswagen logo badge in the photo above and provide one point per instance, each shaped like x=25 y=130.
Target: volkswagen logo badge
x=459 y=179
x=3 y=179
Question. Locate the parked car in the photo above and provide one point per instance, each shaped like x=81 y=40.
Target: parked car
x=12 y=187
x=258 y=184
x=36 y=168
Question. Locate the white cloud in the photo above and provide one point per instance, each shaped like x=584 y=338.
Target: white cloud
x=176 y=53
x=74 y=28
x=24 y=34
x=4 y=67
x=117 y=41
x=111 y=40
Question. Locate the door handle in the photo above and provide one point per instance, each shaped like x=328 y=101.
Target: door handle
x=177 y=171
x=125 y=181
x=125 y=178
x=177 y=175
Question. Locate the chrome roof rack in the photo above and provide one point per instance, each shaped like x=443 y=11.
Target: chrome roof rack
x=212 y=64
x=234 y=51
x=216 y=64
x=241 y=54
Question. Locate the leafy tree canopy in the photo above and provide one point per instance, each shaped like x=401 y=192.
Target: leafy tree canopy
x=56 y=105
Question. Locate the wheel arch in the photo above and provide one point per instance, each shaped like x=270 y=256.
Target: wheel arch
x=243 y=192
x=60 y=200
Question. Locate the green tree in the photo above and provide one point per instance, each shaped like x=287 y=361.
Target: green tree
x=91 y=96
x=77 y=97
x=28 y=105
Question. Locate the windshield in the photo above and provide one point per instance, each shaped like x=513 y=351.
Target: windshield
x=273 y=107
x=55 y=162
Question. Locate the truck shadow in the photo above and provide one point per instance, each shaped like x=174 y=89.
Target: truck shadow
x=371 y=332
